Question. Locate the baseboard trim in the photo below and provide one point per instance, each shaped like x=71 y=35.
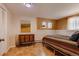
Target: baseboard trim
x=1 y=54
x=38 y=41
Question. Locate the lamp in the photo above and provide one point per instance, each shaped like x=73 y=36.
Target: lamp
x=27 y=4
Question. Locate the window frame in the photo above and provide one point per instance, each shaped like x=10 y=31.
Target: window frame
x=47 y=24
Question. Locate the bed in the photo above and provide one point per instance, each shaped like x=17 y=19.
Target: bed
x=61 y=45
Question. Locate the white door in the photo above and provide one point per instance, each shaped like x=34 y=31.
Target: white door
x=2 y=31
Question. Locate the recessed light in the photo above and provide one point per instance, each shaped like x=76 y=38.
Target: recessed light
x=28 y=4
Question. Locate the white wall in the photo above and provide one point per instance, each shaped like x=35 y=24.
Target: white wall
x=10 y=31
x=65 y=32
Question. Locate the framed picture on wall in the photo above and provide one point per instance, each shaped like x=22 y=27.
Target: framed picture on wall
x=25 y=28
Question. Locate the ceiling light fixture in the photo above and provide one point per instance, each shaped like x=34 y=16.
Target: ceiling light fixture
x=28 y=4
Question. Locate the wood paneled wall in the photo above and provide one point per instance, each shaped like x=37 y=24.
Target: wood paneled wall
x=58 y=24
x=40 y=20
x=61 y=24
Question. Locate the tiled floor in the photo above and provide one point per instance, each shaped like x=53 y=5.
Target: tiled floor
x=33 y=50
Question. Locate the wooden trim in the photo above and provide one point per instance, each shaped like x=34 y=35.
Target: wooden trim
x=77 y=14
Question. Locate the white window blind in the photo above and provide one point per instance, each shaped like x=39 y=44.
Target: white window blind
x=73 y=23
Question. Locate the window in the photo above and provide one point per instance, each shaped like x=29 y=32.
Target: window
x=73 y=23
x=44 y=24
x=47 y=24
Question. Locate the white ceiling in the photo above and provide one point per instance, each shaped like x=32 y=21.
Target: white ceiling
x=45 y=10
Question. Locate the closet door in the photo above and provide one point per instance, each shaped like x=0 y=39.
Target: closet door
x=3 y=31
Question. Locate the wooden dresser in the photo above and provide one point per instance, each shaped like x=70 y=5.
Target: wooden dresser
x=25 y=39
